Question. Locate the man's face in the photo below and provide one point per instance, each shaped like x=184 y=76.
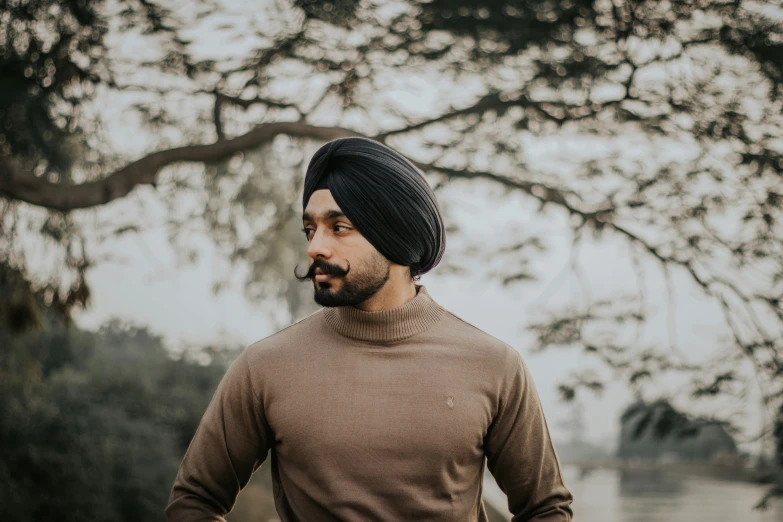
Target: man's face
x=345 y=268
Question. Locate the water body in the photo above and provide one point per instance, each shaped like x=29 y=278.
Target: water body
x=608 y=495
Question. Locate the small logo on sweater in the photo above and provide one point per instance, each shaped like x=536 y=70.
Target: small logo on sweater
x=450 y=401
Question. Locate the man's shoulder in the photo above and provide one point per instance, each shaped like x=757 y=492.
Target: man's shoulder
x=300 y=334
x=477 y=339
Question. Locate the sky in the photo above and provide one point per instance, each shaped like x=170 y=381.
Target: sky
x=142 y=282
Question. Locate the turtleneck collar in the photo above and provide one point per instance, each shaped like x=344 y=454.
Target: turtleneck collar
x=386 y=326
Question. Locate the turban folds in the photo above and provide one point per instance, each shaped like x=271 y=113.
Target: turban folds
x=385 y=197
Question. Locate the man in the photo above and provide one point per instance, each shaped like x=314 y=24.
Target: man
x=382 y=405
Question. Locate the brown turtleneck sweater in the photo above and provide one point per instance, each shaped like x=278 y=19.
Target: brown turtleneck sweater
x=383 y=415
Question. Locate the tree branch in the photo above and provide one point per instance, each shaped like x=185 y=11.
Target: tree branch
x=241 y=102
x=217 y=115
x=17 y=184
x=542 y=193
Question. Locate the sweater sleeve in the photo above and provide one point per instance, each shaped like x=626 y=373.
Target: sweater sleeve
x=520 y=454
x=230 y=443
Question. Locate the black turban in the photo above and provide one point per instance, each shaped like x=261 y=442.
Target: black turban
x=384 y=196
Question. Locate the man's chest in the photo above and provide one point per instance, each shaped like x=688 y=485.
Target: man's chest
x=382 y=409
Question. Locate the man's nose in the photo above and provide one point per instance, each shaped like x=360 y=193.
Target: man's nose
x=319 y=246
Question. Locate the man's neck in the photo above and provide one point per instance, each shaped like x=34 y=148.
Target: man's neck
x=392 y=295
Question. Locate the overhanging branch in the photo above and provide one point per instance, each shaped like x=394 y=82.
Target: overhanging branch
x=19 y=185
x=22 y=186
x=543 y=193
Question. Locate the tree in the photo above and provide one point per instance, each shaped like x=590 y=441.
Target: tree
x=651 y=430
x=676 y=105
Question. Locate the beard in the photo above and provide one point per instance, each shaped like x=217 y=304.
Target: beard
x=358 y=284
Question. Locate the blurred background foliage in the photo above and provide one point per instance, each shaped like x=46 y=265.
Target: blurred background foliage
x=94 y=425
x=674 y=108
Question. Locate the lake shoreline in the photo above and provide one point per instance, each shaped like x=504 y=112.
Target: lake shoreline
x=732 y=473
x=665 y=493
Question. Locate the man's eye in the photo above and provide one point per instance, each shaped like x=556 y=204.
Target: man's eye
x=341 y=228
x=307 y=232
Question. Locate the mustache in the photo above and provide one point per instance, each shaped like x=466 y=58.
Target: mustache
x=326 y=268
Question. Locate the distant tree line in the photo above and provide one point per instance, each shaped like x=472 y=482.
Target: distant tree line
x=93 y=426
